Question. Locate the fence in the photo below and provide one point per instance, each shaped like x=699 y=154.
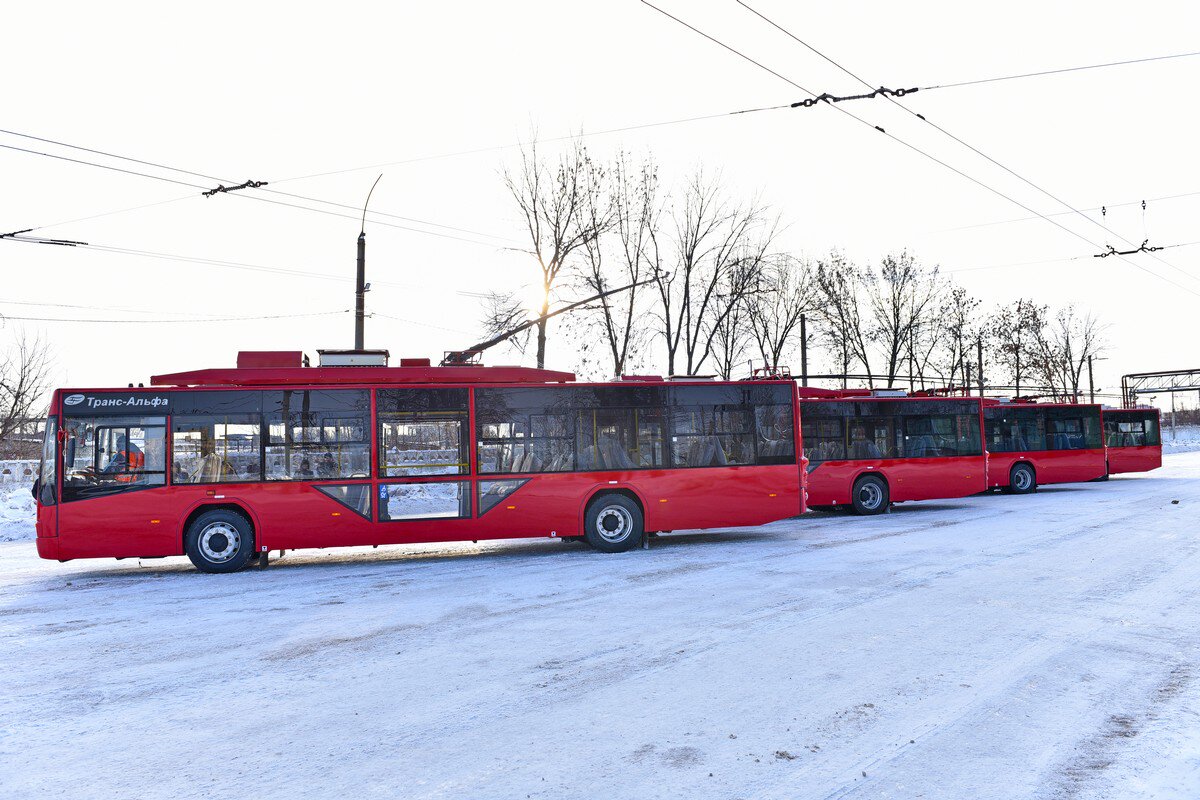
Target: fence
x=17 y=471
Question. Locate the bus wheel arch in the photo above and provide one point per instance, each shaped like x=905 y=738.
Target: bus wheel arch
x=1022 y=478
x=614 y=520
x=220 y=537
x=870 y=494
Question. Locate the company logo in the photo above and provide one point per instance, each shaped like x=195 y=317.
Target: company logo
x=73 y=399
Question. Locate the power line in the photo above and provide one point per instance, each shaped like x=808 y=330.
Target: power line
x=964 y=144
x=166 y=321
x=1058 y=71
x=221 y=180
x=217 y=262
x=510 y=145
x=110 y=213
x=125 y=309
x=1067 y=213
x=100 y=166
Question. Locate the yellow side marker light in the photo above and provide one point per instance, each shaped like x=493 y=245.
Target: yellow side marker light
x=510 y=508
x=155 y=521
x=663 y=500
x=773 y=494
x=335 y=513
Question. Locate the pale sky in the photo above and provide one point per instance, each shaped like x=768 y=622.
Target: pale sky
x=274 y=91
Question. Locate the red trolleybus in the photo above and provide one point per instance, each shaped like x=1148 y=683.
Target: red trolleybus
x=228 y=464
x=1036 y=443
x=1133 y=439
x=868 y=450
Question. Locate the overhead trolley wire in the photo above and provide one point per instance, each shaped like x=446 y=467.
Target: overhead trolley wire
x=918 y=150
x=978 y=152
x=206 y=189
x=1066 y=213
x=1058 y=71
x=510 y=145
x=884 y=90
x=215 y=262
x=927 y=155
x=168 y=321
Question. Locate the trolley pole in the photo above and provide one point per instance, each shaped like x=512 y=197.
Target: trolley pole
x=803 y=352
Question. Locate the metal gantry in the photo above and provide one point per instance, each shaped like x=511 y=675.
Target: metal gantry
x=1138 y=383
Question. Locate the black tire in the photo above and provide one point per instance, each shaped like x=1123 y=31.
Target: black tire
x=870 y=495
x=219 y=541
x=1022 y=479
x=613 y=523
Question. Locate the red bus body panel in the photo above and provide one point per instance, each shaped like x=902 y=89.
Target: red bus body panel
x=150 y=522
x=1134 y=459
x=908 y=478
x=832 y=482
x=1050 y=466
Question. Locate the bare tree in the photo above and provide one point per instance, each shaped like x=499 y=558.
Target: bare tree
x=732 y=335
x=502 y=312
x=901 y=298
x=633 y=211
x=718 y=252
x=1063 y=347
x=1013 y=331
x=24 y=383
x=841 y=286
x=958 y=331
x=774 y=314
x=553 y=201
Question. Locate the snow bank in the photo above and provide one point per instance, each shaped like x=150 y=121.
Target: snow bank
x=1185 y=440
x=17 y=513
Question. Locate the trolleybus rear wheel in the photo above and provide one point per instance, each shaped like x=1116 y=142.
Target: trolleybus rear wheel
x=1022 y=479
x=870 y=495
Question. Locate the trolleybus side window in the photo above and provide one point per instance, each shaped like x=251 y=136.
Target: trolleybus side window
x=422 y=431
x=711 y=426
x=317 y=434
x=216 y=437
x=1072 y=428
x=107 y=455
x=1014 y=430
x=824 y=438
x=558 y=429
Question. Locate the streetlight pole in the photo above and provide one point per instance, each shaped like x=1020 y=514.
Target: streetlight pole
x=360 y=282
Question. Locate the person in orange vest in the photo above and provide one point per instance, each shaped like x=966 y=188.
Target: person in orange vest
x=126 y=460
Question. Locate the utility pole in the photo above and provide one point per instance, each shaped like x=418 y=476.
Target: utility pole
x=803 y=352
x=1091 y=383
x=979 y=355
x=360 y=281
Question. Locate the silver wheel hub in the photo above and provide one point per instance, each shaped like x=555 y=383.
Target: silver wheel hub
x=1021 y=479
x=870 y=496
x=219 y=542
x=614 y=523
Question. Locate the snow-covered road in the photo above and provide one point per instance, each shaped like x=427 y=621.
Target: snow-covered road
x=993 y=647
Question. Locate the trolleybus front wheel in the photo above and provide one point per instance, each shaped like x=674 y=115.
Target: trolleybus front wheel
x=613 y=523
x=219 y=541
